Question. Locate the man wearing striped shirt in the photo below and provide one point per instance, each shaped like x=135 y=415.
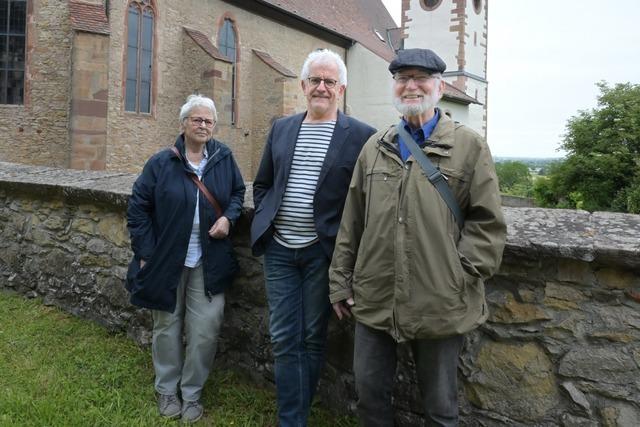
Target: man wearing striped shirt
x=299 y=194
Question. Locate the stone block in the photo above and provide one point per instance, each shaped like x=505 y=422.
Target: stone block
x=610 y=364
x=620 y=415
x=577 y=396
x=508 y=310
x=617 y=278
x=563 y=297
x=114 y=229
x=569 y=420
x=574 y=271
x=515 y=380
x=83 y=225
x=54 y=223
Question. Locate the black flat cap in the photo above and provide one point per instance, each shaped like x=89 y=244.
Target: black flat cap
x=417 y=58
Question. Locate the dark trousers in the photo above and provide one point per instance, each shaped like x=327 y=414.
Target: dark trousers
x=374 y=366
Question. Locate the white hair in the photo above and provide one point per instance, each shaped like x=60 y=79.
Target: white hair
x=197 y=100
x=324 y=56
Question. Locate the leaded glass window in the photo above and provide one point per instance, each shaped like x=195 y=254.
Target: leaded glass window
x=138 y=84
x=13 y=19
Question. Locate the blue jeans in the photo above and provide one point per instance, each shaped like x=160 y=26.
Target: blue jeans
x=374 y=366
x=297 y=285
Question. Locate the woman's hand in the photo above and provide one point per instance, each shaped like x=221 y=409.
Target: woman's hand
x=220 y=229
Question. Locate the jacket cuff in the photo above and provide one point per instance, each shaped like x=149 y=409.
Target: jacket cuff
x=340 y=295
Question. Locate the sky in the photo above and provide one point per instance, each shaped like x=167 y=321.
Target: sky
x=544 y=60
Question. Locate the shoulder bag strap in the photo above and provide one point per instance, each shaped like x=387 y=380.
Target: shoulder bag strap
x=433 y=174
x=212 y=200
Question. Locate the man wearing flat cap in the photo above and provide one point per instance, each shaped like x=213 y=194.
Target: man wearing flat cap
x=422 y=229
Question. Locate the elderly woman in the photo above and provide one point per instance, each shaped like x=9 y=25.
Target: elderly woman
x=183 y=260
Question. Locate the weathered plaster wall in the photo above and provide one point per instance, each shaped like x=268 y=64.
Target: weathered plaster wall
x=561 y=348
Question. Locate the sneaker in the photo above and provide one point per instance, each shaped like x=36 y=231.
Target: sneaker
x=192 y=411
x=169 y=405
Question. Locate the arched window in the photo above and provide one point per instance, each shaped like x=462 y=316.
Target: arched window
x=227 y=45
x=13 y=19
x=430 y=4
x=477 y=6
x=138 y=90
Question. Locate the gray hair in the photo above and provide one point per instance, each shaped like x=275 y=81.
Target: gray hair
x=197 y=100
x=324 y=56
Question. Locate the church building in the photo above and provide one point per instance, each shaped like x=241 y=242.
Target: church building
x=97 y=84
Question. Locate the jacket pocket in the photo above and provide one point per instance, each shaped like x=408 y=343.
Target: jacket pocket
x=458 y=182
x=136 y=274
x=382 y=194
x=437 y=280
x=132 y=274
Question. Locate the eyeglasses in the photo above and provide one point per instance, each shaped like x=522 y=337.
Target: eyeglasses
x=328 y=83
x=198 y=121
x=419 y=79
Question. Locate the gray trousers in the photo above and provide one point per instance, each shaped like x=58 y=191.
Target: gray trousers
x=201 y=320
x=374 y=366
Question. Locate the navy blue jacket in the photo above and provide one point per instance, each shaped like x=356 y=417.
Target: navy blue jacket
x=160 y=219
x=348 y=138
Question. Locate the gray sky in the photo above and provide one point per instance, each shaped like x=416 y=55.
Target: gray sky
x=544 y=60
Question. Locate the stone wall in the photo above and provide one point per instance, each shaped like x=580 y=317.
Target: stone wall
x=561 y=348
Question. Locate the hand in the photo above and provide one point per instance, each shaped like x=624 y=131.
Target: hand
x=142 y=263
x=220 y=229
x=343 y=308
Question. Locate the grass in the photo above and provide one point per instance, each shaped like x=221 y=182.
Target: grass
x=58 y=370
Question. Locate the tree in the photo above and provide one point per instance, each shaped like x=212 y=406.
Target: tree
x=602 y=167
x=514 y=178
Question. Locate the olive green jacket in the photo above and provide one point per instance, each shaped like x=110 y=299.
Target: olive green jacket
x=399 y=252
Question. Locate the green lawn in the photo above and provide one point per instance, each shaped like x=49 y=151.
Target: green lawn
x=58 y=370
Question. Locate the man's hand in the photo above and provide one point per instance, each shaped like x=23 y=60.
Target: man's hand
x=220 y=229
x=343 y=308
x=142 y=263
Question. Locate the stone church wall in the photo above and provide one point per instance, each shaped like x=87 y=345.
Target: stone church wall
x=44 y=131
x=37 y=132
x=134 y=137
x=561 y=348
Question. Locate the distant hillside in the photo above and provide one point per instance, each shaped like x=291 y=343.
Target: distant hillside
x=533 y=163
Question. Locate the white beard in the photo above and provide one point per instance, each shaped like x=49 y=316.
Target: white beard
x=409 y=110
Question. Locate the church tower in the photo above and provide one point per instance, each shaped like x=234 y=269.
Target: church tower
x=457 y=31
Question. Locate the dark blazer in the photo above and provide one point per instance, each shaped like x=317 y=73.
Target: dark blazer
x=160 y=219
x=348 y=138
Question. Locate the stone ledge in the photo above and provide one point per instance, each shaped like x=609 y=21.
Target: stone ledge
x=600 y=237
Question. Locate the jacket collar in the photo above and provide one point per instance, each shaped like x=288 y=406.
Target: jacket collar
x=440 y=142
x=215 y=152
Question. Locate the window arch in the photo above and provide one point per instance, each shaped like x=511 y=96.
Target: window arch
x=477 y=6
x=228 y=46
x=430 y=4
x=13 y=20
x=139 y=60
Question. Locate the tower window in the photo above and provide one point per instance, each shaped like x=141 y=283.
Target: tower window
x=477 y=6
x=430 y=4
